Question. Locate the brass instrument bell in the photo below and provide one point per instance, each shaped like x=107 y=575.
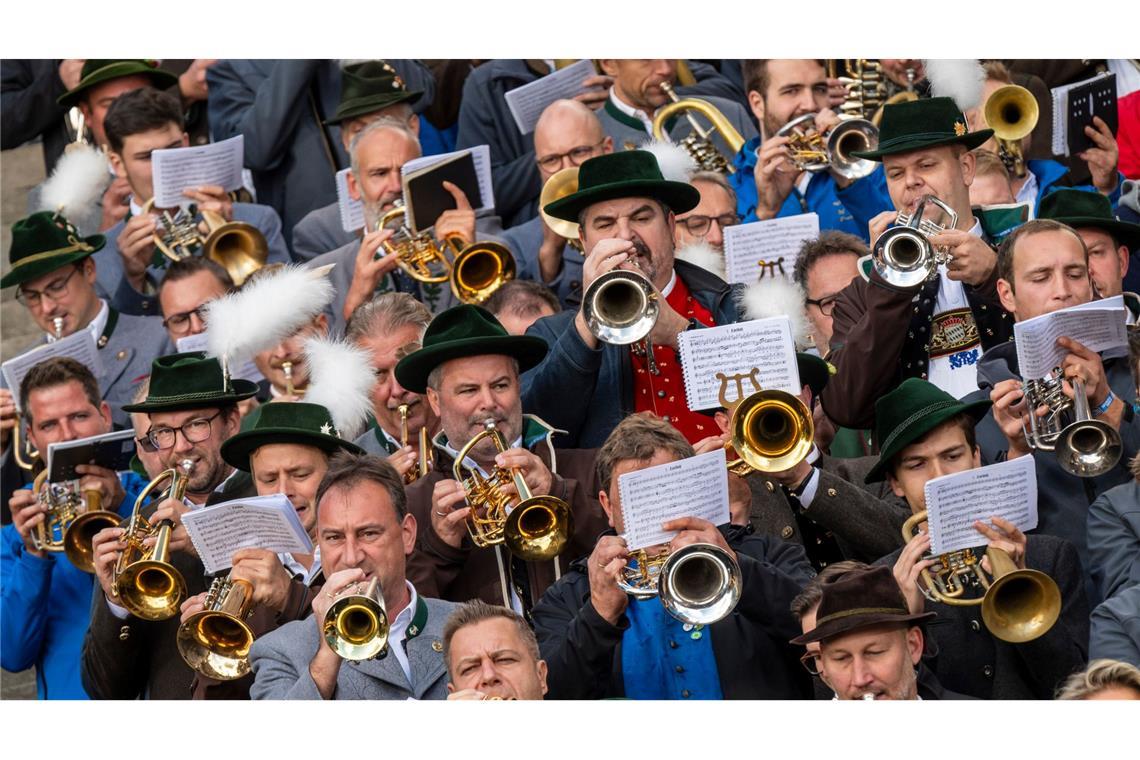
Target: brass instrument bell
x=562 y=183
x=698 y=584
x=1017 y=605
x=534 y=529
x=770 y=430
x=811 y=153
x=356 y=625
x=1084 y=447
x=215 y=641
x=144 y=580
x=479 y=269
x=904 y=255
x=620 y=307
x=699 y=143
x=1011 y=112
x=79 y=538
x=239 y=247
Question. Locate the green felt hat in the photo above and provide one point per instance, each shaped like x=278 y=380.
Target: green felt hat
x=465 y=331
x=281 y=422
x=628 y=174
x=814 y=372
x=1082 y=208
x=96 y=72
x=923 y=123
x=911 y=411
x=44 y=242
x=190 y=381
x=368 y=86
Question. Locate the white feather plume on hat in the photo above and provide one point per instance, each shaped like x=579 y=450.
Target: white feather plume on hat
x=960 y=79
x=702 y=255
x=674 y=161
x=775 y=297
x=77 y=183
x=265 y=312
x=340 y=380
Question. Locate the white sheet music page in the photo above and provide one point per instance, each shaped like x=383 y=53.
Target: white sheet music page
x=79 y=345
x=526 y=103
x=247 y=370
x=351 y=209
x=480 y=154
x=735 y=349
x=263 y=522
x=693 y=487
x=954 y=502
x=768 y=248
x=178 y=169
x=1099 y=326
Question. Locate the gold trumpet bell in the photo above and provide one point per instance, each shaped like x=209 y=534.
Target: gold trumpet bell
x=216 y=641
x=538 y=529
x=78 y=539
x=238 y=247
x=772 y=430
x=152 y=590
x=561 y=184
x=1020 y=605
x=356 y=625
x=1012 y=113
x=479 y=270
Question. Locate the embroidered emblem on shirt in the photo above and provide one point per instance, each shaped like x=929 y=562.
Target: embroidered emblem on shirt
x=952 y=332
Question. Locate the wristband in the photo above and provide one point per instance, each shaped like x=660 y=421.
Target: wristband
x=1100 y=410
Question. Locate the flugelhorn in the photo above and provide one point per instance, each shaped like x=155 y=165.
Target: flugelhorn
x=63 y=506
x=698 y=584
x=79 y=537
x=534 y=528
x=215 y=641
x=770 y=430
x=423 y=465
x=811 y=154
x=698 y=143
x=1017 y=606
x=144 y=581
x=1011 y=112
x=904 y=255
x=1084 y=446
x=239 y=247
x=418 y=254
x=620 y=307
x=562 y=183
x=356 y=624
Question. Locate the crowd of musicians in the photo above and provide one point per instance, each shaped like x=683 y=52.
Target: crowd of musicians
x=451 y=411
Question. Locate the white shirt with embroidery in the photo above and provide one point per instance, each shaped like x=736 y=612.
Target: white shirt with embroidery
x=956 y=372
x=629 y=110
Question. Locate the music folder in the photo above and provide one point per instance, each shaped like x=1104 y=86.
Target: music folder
x=111 y=450
x=425 y=196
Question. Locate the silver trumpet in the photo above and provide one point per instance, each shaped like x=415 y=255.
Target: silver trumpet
x=811 y=153
x=904 y=255
x=620 y=307
x=698 y=584
x=1084 y=447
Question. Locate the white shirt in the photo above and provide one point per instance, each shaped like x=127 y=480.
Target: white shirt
x=1028 y=193
x=955 y=373
x=95 y=326
x=629 y=110
x=398 y=629
x=812 y=484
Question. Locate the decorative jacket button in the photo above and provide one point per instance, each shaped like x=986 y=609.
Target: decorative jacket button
x=974 y=626
x=672 y=644
x=685 y=693
x=768 y=484
x=832 y=492
x=787 y=532
x=988 y=671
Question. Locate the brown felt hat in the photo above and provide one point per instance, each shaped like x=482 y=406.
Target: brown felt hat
x=860 y=599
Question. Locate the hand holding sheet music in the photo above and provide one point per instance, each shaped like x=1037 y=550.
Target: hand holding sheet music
x=693 y=487
x=955 y=502
x=263 y=522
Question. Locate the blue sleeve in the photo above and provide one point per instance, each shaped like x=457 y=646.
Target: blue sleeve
x=866 y=198
x=25 y=582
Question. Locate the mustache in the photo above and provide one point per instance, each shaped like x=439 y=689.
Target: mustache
x=640 y=249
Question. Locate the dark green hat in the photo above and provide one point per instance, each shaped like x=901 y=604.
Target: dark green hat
x=96 y=72
x=190 y=381
x=367 y=87
x=628 y=174
x=281 y=422
x=911 y=411
x=1082 y=208
x=814 y=372
x=44 y=242
x=465 y=331
x=923 y=123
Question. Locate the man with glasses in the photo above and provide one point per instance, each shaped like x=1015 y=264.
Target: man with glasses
x=705 y=223
x=566 y=134
x=54 y=274
x=188 y=286
x=193 y=410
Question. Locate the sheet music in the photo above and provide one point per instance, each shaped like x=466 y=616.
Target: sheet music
x=263 y=522
x=954 y=502
x=526 y=103
x=481 y=154
x=1094 y=326
x=765 y=344
x=351 y=209
x=768 y=248
x=178 y=169
x=693 y=487
x=80 y=346
x=247 y=370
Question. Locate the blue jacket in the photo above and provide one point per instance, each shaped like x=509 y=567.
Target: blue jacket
x=1052 y=175
x=587 y=392
x=46 y=607
x=847 y=210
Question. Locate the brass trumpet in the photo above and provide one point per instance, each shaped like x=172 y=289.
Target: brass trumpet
x=698 y=584
x=356 y=625
x=1017 y=606
x=1084 y=446
x=290 y=388
x=1012 y=113
x=620 y=307
x=215 y=641
x=562 y=183
x=811 y=154
x=535 y=528
x=480 y=269
x=699 y=143
x=423 y=465
x=419 y=255
x=240 y=248
x=144 y=580
x=904 y=255
x=771 y=430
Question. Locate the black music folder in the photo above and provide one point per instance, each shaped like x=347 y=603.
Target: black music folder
x=1075 y=105
x=425 y=196
x=111 y=450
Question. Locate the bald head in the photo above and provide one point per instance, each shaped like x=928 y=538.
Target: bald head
x=564 y=126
